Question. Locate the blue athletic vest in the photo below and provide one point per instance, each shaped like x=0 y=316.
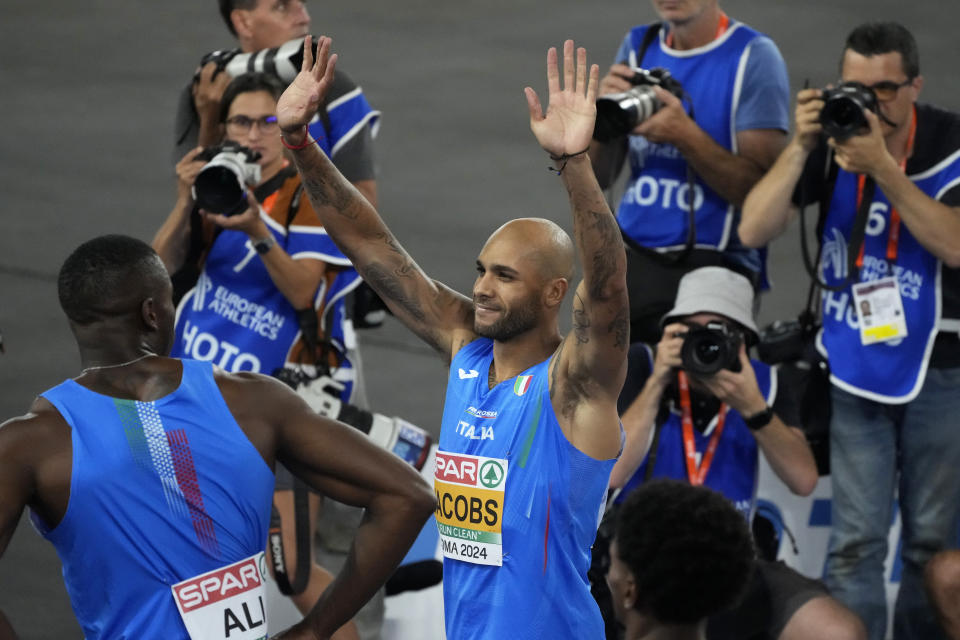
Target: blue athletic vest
x=654 y=207
x=160 y=492
x=553 y=498
x=236 y=316
x=736 y=462
x=886 y=372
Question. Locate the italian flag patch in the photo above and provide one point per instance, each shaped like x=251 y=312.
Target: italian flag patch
x=522 y=384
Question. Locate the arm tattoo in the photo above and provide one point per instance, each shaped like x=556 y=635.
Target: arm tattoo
x=327 y=190
x=604 y=261
x=581 y=322
x=620 y=328
x=388 y=285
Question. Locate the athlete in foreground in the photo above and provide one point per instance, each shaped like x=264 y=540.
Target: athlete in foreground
x=530 y=428
x=153 y=476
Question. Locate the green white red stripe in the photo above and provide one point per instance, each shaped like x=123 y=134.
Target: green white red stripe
x=522 y=384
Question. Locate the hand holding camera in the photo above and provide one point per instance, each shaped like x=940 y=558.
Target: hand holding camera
x=649 y=104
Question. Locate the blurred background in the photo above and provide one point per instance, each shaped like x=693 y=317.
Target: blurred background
x=88 y=96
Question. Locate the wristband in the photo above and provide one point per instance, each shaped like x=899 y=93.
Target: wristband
x=565 y=158
x=759 y=420
x=307 y=141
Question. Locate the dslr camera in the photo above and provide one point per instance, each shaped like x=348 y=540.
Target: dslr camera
x=283 y=62
x=842 y=113
x=710 y=348
x=619 y=113
x=220 y=186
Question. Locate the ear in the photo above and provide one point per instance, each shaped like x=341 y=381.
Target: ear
x=916 y=86
x=629 y=593
x=149 y=314
x=240 y=19
x=554 y=292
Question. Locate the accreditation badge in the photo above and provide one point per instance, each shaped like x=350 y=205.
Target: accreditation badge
x=880 y=311
x=229 y=602
x=470 y=492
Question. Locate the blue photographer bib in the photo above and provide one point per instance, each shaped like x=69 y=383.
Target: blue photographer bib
x=654 y=208
x=888 y=371
x=735 y=465
x=237 y=318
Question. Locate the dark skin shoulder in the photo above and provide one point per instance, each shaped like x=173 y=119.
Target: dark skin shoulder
x=35 y=467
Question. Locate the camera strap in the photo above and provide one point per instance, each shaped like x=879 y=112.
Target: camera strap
x=275 y=543
x=893 y=239
x=857 y=233
x=697 y=473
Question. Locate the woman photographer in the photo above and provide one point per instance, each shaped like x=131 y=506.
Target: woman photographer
x=254 y=283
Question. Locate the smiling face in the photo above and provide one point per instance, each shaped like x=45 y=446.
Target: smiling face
x=506 y=293
x=885 y=68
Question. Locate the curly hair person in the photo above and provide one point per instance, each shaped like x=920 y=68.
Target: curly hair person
x=687 y=551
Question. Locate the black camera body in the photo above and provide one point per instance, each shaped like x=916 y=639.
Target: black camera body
x=710 y=348
x=842 y=113
x=220 y=186
x=619 y=113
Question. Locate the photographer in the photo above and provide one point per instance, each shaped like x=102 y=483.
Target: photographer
x=896 y=383
x=344 y=127
x=721 y=138
x=258 y=269
x=702 y=412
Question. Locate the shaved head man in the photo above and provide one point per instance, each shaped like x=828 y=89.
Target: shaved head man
x=530 y=428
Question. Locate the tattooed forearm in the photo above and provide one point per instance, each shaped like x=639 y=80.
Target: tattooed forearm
x=387 y=283
x=599 y=238
x=327 y=188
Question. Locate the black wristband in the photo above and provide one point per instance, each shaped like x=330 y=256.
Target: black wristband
x=759 y=420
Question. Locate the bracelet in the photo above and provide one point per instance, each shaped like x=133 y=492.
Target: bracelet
x=296 y=147
x=566 y=158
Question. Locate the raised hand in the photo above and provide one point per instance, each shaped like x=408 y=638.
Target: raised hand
x=567 y=127
x=299 y=103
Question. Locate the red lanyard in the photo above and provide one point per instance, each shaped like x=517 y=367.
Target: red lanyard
x=694 y=474
x=722 y=26
x=894 y=238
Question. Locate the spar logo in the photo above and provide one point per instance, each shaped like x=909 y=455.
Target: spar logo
x=219 y=585
x=491 y=474
x=473 y=471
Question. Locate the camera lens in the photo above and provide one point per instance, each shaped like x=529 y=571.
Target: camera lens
x=707 y=351
x=619 y=113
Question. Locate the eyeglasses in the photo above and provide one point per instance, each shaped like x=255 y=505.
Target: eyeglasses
x=242 y=124
x=886 y=90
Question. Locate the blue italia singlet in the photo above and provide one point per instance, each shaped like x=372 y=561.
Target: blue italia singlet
x=518 y=508
x=735 y=466
x=160 y=492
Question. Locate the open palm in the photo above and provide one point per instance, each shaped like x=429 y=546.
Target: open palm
x=299 y=103
x=567 y=127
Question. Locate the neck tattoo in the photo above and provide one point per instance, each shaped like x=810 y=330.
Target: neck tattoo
x=492 y=377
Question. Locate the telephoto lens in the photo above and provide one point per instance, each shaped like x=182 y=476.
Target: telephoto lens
x=220 y=187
